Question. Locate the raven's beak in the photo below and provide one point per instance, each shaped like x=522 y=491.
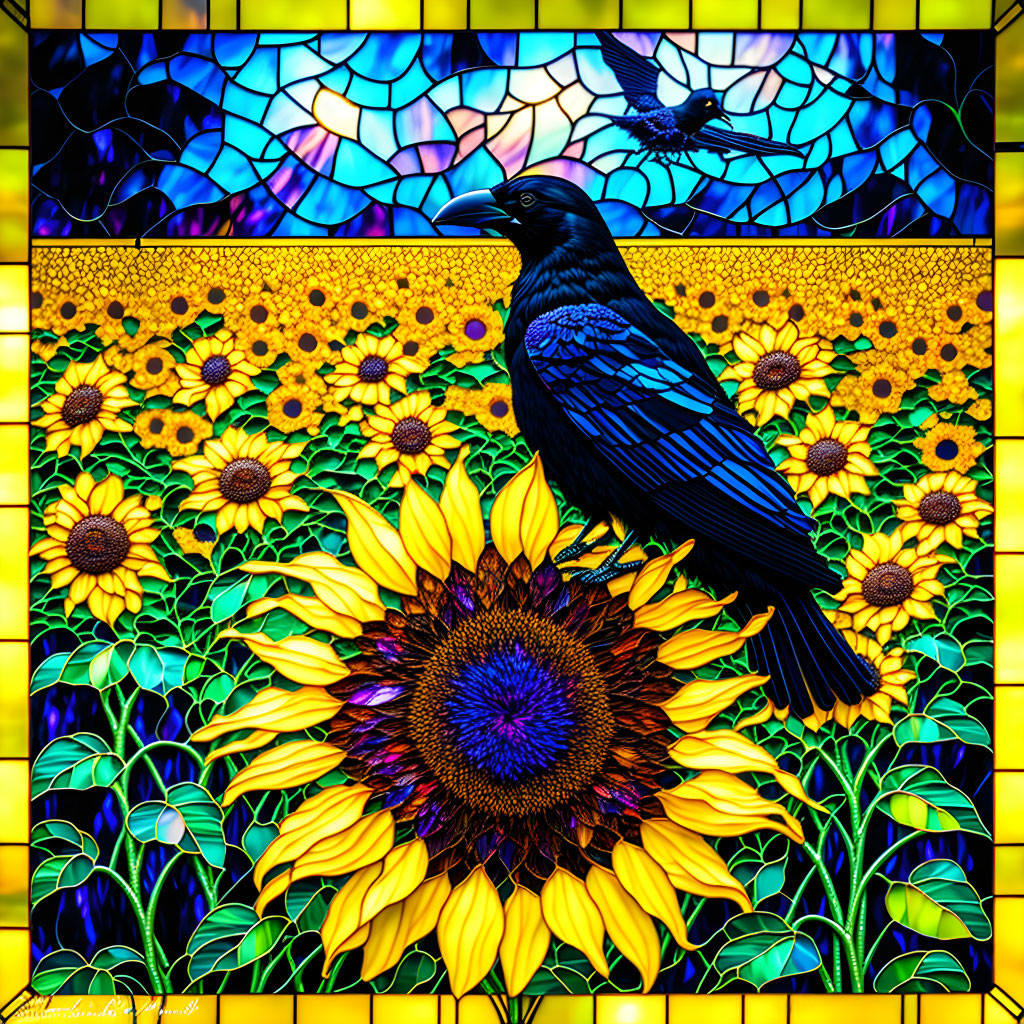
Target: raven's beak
x=723 y=116
x=477 y=209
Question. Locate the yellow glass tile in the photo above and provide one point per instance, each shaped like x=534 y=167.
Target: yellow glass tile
x=1007 y=948
x=445 y=14
x=1008 y=807
x=710 y=14
x=996 y=1012
x=784 y=14
x=910 y=1004
x=56 y=13
x=1009 y=629
x=13 y=886
x=224 y=14
x=310 y=14
x=764 y=1009
x=13 y=801
x=895 y=14
x=844 y=14
x=1009 y=348
x=14 y=464
x=1010 y=82
x=951 y=14
x=1009 y=219
x=565 y=1010
x=14 y=699
x=653 y=14
x=577 y=14
x=1009 y=487
x=350 y=1009
x=405 y=1010
x=13 y=298
x=706 y=1009
x=947 y=1009
x=447 y=1010
x=13 y=205
x=183 y=14
x=507 y=14
x=13 y=574
x=122 y=14
x=14 y=359
x=381 y=14
x=14 y=109
x=256 y=1009
x=14 y=959
x=630 y=1010
x=1008 y=717
x=172 y=1009
x=1009 y=871
x=473 y=1010
x=844 y=1009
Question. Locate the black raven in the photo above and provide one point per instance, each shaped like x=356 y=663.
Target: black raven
x=631 y=421
x=665 y=132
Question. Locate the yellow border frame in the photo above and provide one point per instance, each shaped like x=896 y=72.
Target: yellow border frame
x=1000 y=1005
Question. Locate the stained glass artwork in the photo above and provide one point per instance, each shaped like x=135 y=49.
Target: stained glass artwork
x=510 y=527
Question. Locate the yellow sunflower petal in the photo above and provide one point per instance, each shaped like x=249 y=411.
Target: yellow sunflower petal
x=525 y=942
x=629 y=927
x=424 y=531
x=574 y=917
x=396 y=927
x=646 y=881
x=290 y=764
x=377 y=546
x=678 y=609
x=524 y=517
x=343 y=916
x=698 y=702
x=310 y=610
x=696 y=647
x=404 y=869
x=299 y=658
x=469 y=930
x=276 y=709
x=460 y=503
x=256 y=739
x=651 y=578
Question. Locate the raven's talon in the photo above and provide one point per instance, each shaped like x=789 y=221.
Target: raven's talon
x=604 y=572
x=579 y=547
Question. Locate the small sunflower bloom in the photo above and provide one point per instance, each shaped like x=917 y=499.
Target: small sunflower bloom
x=153 y=370
x=291 y=407
x=941 y=508
x=308 y=343
x=244 y=479
x=888 y=584
x=950 y=446
x=86 y=402
x=878 y=388
x=891 y=680
x=475 y=330
x=47 y=348
x=828 y=457
x=98 y=544
x=216 y=372
x=411 y=435
x=370 y=368
x=778 y=368
x=262 y=350
x=490 y=406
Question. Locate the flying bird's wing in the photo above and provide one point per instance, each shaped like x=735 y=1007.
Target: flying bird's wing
x=721 y=140
x=669 y=432
x=637 y=76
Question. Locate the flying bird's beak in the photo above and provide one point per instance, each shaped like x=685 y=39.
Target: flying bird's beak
x=723 y=116
x=477 y=209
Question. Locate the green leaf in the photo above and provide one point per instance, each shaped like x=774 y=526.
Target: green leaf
x=110 y=666
x=943 y=649
x=229 y=937
x=944 y=719
x=79 y=761
x=66 y=972
x=67 y=870
x=761 y=948
x=257 y=838
x=923 y=972
x=70 y=668
x=761 y=877
x=158 y=670
x=917 y=795
x=188 y=818
x=937 y=900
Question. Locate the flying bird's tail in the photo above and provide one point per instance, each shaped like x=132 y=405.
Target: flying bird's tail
x=808 y=659
x=720 y=140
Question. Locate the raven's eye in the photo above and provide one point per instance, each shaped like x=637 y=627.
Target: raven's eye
x=527 y=199
x=708 y=103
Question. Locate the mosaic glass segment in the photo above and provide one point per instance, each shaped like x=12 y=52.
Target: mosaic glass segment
x=368 y=134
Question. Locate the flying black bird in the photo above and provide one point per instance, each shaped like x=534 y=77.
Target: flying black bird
x=665 y=132
x=631 y=421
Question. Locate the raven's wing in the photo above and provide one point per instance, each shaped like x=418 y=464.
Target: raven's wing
x=667 y=430
x=720 y=140
x=637 y=76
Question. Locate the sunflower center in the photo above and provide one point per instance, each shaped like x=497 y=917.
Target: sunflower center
x=887 y=584
x=776 y=370
x=97 y=544
x=216 y=371
x=410 y=436
x=939 y=508
x=82 y=405
x=244 y=480
x=511 y=713
x=373 y=369
x=826 y=456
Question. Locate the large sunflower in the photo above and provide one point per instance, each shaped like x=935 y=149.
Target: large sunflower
x=891 y=680
x=941 y=507
x=370 y=368
x=85 y=402
x=828 y=457
x=776 y=369
x=518 y=759
x=215 y=371
x=888 y=584
x=98 y=544
x=244 y=478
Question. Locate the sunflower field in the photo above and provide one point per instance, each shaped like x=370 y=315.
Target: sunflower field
x=289 y=550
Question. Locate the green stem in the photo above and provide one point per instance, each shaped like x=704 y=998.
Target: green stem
x=154 y=898
x=877 y=865
x=155 y=974
x=874 y=945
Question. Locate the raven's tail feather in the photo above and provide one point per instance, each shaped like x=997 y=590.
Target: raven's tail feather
x=808 y=659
